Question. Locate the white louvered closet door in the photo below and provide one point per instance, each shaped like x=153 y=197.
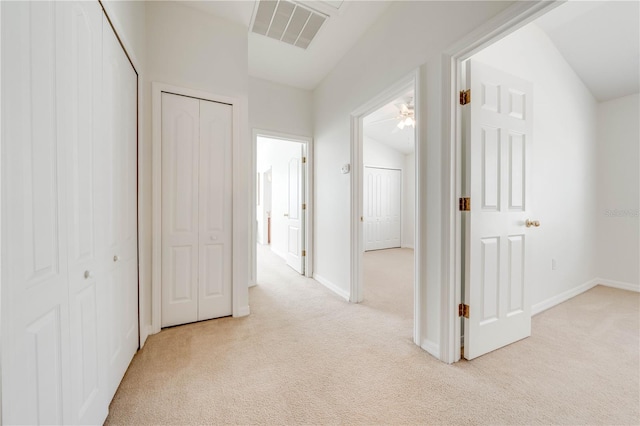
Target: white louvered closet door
x=196 y=209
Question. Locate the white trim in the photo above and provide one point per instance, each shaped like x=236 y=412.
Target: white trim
x=516 y=16
x=562 y=297
x=331 y=286
x=157 y=89
x=431 y=347
x=410 y=81
x=308 y=196
x=619 y=284
x=407 y=246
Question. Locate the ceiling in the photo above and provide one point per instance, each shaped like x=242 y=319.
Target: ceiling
x=382 y=126
x=282 y=63
x=601 y=42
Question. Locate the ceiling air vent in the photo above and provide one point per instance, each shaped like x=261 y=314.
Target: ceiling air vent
x=286 y=21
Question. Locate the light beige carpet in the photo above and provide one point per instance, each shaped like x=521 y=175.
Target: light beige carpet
x=304 y=356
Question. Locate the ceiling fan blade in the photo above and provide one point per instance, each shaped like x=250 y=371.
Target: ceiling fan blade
x=384 y=120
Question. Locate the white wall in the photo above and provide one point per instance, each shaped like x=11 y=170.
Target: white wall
x=280 y=108
x=188 y=48
x=618 y=190
x=377 y=154
x=275 y=154
x=563 y=174
x=410 y=35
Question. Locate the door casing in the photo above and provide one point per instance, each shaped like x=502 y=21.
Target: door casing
x=356 y=290
x=157 y=89
x=515 y=17
x=308 y=199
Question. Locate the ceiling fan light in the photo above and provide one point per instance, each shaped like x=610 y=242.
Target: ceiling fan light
x=409 y=122
x=401 y=125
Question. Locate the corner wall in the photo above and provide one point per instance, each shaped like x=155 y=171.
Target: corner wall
x=618 y=192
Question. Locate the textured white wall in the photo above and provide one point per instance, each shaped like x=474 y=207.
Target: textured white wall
x=280 y=108
x=563 y=175
x=618 y=190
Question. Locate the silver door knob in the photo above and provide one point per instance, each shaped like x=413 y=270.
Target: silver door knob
x=530 y=223
x=87 y=275
x=116 y=258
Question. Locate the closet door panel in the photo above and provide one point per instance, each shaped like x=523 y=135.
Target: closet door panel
x=180 y=201
x=120 y=144
x=35 y=320
x=215 y=190
x=79 y=57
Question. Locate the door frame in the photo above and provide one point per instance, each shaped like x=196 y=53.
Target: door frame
x=512 y=19
x=308 y=198
x=356 y=289
x=157 y=88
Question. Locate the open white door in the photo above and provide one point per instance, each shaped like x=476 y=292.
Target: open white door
x=295 y=219
x=498 y=141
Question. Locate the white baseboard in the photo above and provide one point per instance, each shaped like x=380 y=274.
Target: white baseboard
x=279 y=253
x=431 y=347
x=407 y=246
x=331 y=286
x=562 y=297
x=619 y=284
x=243 y=311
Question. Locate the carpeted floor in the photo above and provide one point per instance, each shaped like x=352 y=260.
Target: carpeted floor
x=305 y=356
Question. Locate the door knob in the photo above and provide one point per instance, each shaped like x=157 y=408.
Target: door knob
x=530 y=223
x=116 y=258
x=87 y=274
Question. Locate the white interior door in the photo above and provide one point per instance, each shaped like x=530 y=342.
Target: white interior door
x=180 y=211
x=196 y=209
x=295 y=219
x=382 y=201
x=215 y=198
x=120 y=111
x=498 y=139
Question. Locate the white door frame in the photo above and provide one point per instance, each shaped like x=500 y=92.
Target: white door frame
x=308 y=198
x=356 y=293
x=510 y=20
x=157 y=89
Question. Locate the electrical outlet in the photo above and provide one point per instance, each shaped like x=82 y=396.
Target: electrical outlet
x=554 y=264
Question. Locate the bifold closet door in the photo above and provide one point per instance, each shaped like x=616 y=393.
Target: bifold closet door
x=382 y=199
x=196 y=209
x=120 y=203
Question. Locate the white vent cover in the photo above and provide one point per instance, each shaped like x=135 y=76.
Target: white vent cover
x=286 y=21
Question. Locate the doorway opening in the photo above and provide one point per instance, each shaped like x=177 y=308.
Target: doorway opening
x=389 y=206
x=281 y=201
x=385 y=237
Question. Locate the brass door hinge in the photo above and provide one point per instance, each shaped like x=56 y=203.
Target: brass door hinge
x=304 y=160
x=463 y=310
x=465 y=96
x=304 y=206
x=464 y=204
x=304 y=253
